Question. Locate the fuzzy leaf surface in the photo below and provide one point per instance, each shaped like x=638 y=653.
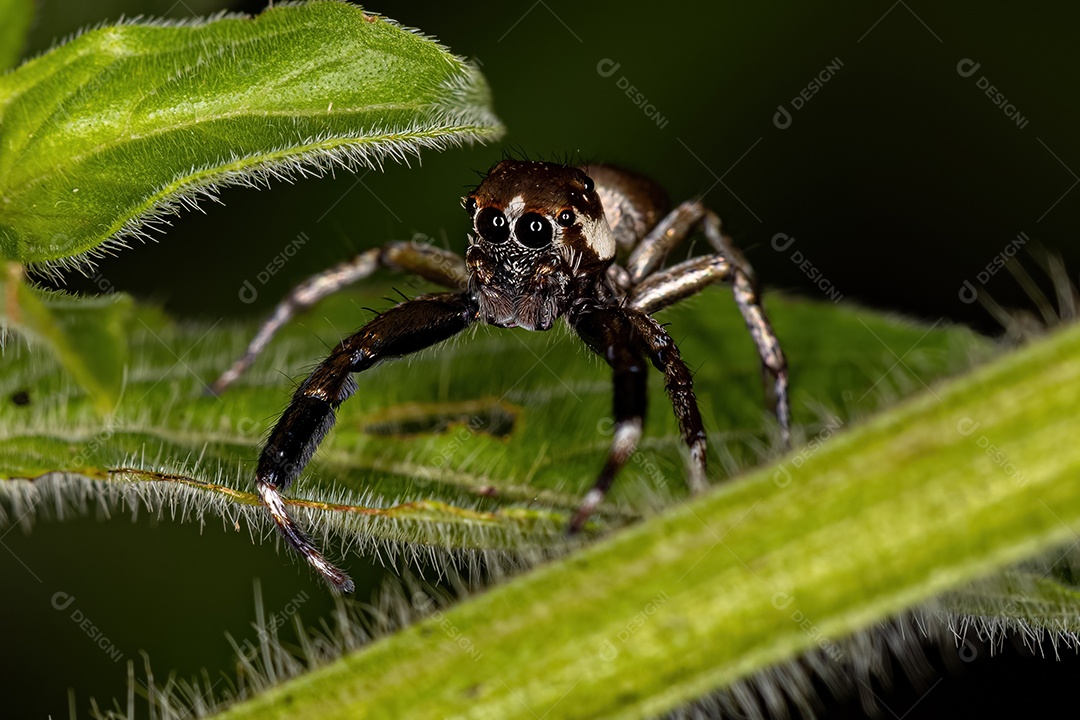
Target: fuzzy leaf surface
x=430 y=451
x=87 y=156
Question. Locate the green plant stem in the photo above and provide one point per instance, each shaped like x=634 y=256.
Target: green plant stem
x=792 y=557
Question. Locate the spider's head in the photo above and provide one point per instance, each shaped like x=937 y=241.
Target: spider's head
x=540 y=232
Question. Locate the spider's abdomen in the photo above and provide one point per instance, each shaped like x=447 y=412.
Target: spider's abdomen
x=633 y=204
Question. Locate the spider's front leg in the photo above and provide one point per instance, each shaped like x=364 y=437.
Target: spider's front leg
x=624 y=336
x=402 y=330
x=439 y=266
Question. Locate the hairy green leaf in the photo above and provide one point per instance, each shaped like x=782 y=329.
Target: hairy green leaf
x=796 y=556
x=432 y=452
x=107 y=133
x=1038 y=596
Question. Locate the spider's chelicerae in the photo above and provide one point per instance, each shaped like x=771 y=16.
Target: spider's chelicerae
x=547 y=237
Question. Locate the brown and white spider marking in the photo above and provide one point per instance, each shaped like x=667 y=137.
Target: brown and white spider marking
x=545 y=246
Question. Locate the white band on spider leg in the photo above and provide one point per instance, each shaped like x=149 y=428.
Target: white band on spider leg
x=274 y=502
x=696 y=479
x=626 y=438
x=592 y=500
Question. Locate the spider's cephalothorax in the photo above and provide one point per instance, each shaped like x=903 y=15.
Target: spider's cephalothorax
x=541 y=242
x=585 y=244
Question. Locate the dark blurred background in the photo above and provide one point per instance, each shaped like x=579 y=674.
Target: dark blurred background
x=899 y=178
x=862 y=130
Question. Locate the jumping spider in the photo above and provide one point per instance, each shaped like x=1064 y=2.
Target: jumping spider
x=547 y=237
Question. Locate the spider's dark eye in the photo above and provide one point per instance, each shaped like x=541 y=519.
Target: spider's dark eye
x=566 y=218
x=492 y=225
x=533 y=230
x=588 y=184
x=470 y=206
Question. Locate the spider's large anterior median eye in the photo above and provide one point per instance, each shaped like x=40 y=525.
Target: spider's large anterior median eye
x=533 y=230
x=492 y=225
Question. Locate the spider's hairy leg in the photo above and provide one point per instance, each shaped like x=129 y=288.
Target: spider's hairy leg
x=665 y=236
x=404 y=329
x=679 y=383
x=666 y=288
x=610 y=335
x=678 y=282
x=439 y=266
x=748 y=298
